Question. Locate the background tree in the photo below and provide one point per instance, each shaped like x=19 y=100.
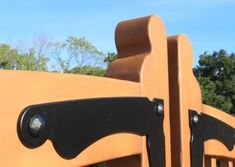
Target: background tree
x=95 y=71
x=10 y=58
x=88 y=70
x=40 y=46
x=76 y=53
x=216 y=76
x=110 y=58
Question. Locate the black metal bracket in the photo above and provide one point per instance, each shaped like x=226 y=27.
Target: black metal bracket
x=72 y=126
x=205 y=127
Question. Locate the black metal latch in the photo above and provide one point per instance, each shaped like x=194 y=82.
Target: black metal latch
x=205 y=127
x=72 y=126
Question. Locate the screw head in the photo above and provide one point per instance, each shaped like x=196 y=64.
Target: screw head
x=195 y=119
x=36 y=125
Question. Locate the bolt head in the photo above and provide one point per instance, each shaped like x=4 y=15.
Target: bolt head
x=195 y=119
x=160 y=108
x=36 y=125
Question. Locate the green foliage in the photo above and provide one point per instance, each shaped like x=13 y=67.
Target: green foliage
x=216 y=76
x=81 y=45
x=74 y=55
x=88 y=70
x=110 y=58
x=8 y=57
x=11 y=59
x=75 y=52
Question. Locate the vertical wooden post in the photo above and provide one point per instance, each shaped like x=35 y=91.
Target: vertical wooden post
x=142 y=57
x=185 y=94
x=210 y=162
x=225 y=163
x=230 y=163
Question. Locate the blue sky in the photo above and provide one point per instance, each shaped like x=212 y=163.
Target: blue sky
x=210 y=24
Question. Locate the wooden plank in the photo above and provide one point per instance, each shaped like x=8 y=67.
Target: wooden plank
x=210 y=162
x=230 y=163
x=224 y=163
x=142 y=53
x=185 y=94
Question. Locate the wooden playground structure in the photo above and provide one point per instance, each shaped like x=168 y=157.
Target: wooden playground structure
x=146 y=111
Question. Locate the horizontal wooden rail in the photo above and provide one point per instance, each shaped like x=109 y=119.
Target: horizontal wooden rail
x=20 y=89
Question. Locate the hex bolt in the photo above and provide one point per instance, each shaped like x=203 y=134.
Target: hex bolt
x=36 y=125
x=195 y=119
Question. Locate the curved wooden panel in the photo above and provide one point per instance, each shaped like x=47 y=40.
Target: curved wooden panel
x=215 y=148
x=111 y=147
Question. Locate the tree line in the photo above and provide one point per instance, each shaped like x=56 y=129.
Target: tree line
x=73 y=55
x=215 y=71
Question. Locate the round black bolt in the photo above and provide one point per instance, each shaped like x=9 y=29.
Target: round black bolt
x=160 y=108
x=36 y=125
x=195 y=119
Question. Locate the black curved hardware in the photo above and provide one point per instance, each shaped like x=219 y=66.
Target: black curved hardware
x=74 y=125
x=205 y=127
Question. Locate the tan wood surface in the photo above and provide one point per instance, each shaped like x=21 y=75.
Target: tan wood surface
x=20 y=89
x=139 y=71
x=185 y=94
